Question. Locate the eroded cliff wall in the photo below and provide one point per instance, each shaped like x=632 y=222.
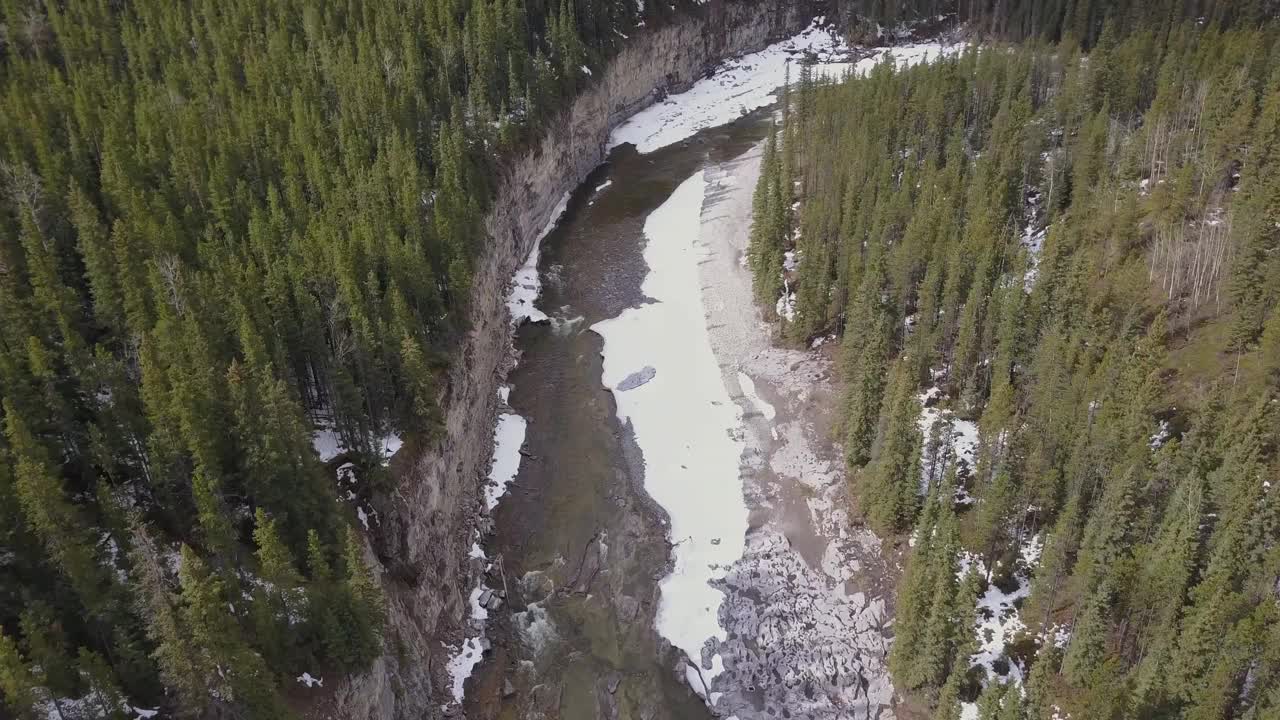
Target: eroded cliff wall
x=429 y=518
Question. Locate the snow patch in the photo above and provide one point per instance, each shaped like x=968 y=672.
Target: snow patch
x=751 y=82
x=684 y=422
x=462 y=663
x=999 y=618
x=310 y=681
x=786 y=306
x=749 y=392
x=958 y=438
x=526 y=285
x=508 y=437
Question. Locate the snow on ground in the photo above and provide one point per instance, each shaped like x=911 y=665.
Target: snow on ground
x=998 y=615
x=526 y=285
x=462 y=663
x=1033 y=235
x=786 y=305
x=751 y=82
x=310 y=680
x=82 y=708
x=508 y=436
x=328 y=444
x=749 y=391
x=960 y=437
x=684 y=422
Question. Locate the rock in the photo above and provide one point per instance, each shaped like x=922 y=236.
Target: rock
x=508 y=690
x=494 y=603
x=638 y=378
x=485 y=596
x=627 y=608
x=614 y=681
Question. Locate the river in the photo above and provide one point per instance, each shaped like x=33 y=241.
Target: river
x=677 y=541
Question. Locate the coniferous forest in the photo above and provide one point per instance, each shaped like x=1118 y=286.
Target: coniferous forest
x=223 y=224
x=1055 y=267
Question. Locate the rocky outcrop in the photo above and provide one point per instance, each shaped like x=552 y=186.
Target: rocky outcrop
x=429 y=519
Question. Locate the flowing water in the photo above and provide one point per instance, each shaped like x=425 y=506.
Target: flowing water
x=579 y=547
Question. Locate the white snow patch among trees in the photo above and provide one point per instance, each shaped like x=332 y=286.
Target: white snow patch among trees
x=684 y=422
x=957 y=440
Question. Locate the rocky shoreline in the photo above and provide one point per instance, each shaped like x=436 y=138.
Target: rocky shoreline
x=808 y=606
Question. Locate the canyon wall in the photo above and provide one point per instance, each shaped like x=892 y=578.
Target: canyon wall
x=429 y=518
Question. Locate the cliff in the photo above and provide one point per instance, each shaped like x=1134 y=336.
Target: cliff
x=429 y=518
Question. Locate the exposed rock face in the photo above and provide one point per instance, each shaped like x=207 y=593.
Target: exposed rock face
x=429 y=518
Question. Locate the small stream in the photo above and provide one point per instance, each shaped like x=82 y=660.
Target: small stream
x=578 y=545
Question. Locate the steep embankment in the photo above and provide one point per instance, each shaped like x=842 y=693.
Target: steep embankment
x=428 y=517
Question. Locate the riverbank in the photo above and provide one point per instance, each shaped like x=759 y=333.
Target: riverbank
x=808 y=605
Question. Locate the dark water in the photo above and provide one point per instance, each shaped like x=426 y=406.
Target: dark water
x=582 y=547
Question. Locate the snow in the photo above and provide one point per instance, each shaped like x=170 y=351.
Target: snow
x=684 y=422
x=526 y=285
x=968 y=711
x=88 y=706
x=462 y=663
x=603 y=185
x=999 y=619
x=786 y=306
x=391 y=444
x=749 y=392
x=508 y=436
x=1161 y=435
x=326 y=442
x=307 y=679
x=1032 y=238
x=751 y=82
x=960 y=437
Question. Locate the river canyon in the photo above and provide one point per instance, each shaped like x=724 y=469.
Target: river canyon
x=670 y=532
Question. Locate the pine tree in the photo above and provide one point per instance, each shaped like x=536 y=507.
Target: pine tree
x=279 y=599
x=16 y=680
x=889 y=486
x=182 y=666
x=102 y=691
